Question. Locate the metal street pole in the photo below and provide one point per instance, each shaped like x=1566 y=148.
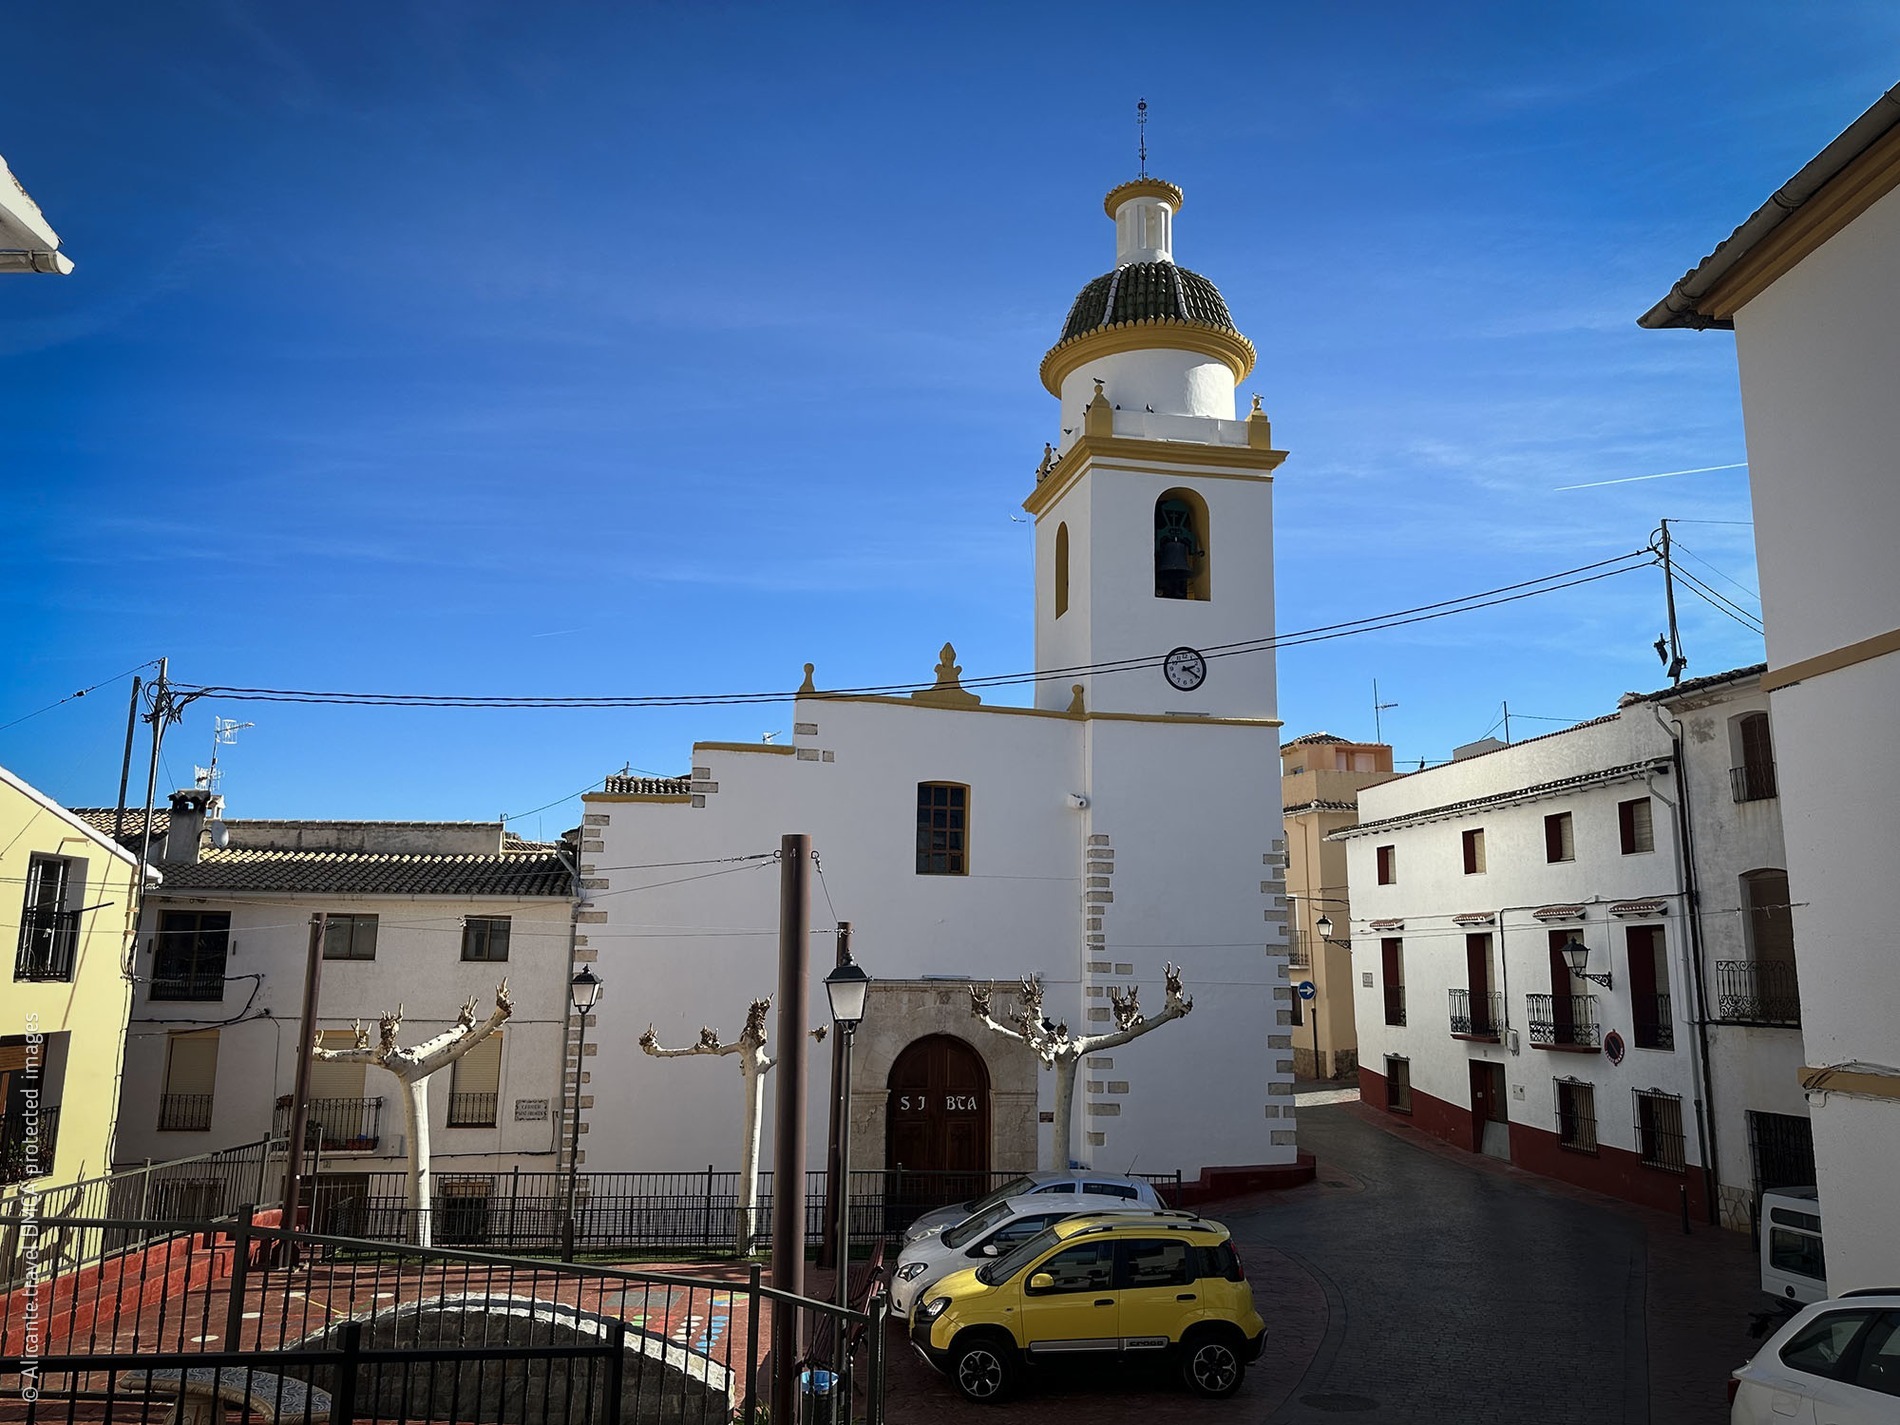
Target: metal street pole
x=828 y=1249
x=125 y=767
x=574 y=1150
x=788 y=1144
x=843 y=1198
x=300 y=1094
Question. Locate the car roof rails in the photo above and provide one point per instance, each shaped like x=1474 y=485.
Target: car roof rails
x=1870 y=1291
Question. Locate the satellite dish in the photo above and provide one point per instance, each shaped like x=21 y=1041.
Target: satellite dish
x=220 y=835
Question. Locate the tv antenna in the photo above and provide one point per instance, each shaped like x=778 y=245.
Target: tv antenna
x=224 y=731
x=1141 y=134
x=1378 y=727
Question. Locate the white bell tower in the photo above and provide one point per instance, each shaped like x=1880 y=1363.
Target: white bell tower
x=1154 y=508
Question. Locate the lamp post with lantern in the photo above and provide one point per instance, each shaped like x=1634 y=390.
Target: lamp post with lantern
x=585 y=988
x=845 y=987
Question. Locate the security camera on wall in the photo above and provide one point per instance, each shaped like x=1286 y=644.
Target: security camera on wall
x=1078 y=801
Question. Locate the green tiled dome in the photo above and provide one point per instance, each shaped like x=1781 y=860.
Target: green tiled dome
x=1142 y=291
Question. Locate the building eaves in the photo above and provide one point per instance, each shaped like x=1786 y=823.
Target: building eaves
x=76 y=820
x=1560 y=787
x=1683 y=306
x=1318 y=804
x=648 y=786
x=526 y=875
x=1313 y=737
x=1696 y=685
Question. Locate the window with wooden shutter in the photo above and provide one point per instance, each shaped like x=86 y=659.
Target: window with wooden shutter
x=1388 y=859
x=191 y=1079
x=1474 y=851
x=1560 y=841
x=1635 y=826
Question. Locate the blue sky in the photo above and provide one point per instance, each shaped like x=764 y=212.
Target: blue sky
x=594 y=349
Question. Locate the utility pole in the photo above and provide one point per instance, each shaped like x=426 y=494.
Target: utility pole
x=828 y=1249
x=788 y=1145
x=1676 y=661
x=1507 y=724
x=159 y=716
x=125 y=767
x=300 y=1095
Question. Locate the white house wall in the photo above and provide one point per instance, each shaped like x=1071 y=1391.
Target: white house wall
x=1817 y=352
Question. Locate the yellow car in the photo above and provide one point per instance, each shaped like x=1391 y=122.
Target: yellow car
x=1123 y=1284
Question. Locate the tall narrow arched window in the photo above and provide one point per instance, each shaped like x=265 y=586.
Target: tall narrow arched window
x=1181 y=549
x=1062 y=570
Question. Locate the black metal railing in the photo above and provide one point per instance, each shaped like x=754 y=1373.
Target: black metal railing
x=184 y=1112
x=472 y=1110
x=336 y=1125
x=1395 y=1004
x=1652 y=1022
x=1477 y=1014
x=1757 y=992
x=303 y=1325
x=49 y=943
x=197 y=983
x=1567 y=1021
x=28 y=1143
x=664 y=1211
x=1753 y=782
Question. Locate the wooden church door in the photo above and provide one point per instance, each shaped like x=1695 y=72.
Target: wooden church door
x=938 y=1122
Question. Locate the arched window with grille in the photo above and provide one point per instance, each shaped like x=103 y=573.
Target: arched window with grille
x=1181 y=546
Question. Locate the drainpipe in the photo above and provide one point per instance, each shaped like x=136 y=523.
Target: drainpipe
x=1694 y=953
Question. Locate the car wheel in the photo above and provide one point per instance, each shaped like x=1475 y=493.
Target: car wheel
x=1211 y=1365
x=984 y=1369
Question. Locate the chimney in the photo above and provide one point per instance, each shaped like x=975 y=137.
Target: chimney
x=190 y=809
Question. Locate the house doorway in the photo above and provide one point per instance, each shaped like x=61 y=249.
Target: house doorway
x=937 y=1122
x=1490 y=1120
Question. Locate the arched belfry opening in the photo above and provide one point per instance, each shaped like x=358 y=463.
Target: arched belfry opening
x=937 y=1122
x=1062 y=569
x=1181 y=548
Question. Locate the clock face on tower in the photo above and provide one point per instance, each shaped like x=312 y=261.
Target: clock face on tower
x=1185 y=668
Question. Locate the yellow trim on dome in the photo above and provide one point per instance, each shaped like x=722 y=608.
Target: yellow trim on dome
x=1143 y=188
x=1148 y=334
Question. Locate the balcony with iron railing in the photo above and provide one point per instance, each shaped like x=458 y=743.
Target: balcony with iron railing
x=1757 y=992
x=184 y=1112
x=472 y=1110
x=49 y=944
x=1653 y=1025
x=336 y=1125
x=1564 y=1022
x=1477 y=1014
x=195 y=983
x=1753 y=782
x=27 y=1146
x=1395 y=1004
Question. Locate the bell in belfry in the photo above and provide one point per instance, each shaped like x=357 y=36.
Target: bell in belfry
x=1174 y=567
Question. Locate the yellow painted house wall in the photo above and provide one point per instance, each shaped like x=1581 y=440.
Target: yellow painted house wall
x=91 y=1009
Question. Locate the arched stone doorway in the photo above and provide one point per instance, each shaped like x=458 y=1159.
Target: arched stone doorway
x=937 y=1120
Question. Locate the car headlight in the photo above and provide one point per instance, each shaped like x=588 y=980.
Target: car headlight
x=933 y=1308
x=910 y=1271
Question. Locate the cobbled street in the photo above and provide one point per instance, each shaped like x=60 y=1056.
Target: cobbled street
x=1416 y=1283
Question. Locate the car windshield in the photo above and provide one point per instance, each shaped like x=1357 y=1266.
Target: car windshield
x=972 y=1227
x=1007 y=1190
x=1003 y=1268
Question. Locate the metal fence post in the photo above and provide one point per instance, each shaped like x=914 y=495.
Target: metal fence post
x=755 y=1303
x=874 y=1367
x=145 y=1194
x=343 y=1403
x=705 y=1230
x=514 y=1201
x=616 y=1367
x=240 y=1270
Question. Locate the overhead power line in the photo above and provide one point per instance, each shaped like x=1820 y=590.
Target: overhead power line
x=1468 y=603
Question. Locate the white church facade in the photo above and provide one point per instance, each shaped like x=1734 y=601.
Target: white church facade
x=1128 y=820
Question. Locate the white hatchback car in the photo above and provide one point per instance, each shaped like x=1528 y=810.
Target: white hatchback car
x=1834 y=1363
x=1136 y=1192
x=991 y=1233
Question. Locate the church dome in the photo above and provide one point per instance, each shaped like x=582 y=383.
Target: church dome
x=1147 y=291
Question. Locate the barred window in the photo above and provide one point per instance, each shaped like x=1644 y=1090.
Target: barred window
x=1576 y=1115
x=1659 y=1130
x=943 y=829
x=1398 y=1084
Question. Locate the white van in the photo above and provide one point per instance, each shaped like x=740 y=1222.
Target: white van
x=1793 y=1268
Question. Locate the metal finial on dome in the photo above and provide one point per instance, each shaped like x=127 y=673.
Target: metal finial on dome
x=1141 y=134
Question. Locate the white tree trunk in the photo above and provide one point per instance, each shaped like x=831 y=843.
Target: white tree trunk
x=1062 y=1139
x=415 y=1113
x=749 y=1158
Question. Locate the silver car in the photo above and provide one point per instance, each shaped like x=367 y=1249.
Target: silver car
x=992 y=1233
x=1135 y=1192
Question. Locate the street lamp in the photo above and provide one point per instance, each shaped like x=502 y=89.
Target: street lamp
x=1324 y=925
x=585 y=988
x=1577 y=955
x=845 y=987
